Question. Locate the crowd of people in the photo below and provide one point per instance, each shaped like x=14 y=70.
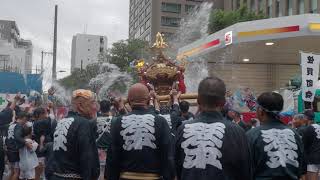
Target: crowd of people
x=141 y=139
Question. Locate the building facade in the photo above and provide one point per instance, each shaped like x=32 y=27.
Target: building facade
x=15 y=52
x=86 y=49
x=148 y=17
x=276 y=8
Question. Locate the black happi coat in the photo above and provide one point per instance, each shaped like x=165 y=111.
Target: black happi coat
x=172 y=116
x=103 y=132
x=140 y=143
x=14 y=141
x=311 y=141
x=277 y=151
x=44 y=127
x=189 y=116
x=210 y=147
x=5 y=119
x=1 y=157
x=74 y=148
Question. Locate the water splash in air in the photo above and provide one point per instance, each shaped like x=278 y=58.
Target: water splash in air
x=193 y=27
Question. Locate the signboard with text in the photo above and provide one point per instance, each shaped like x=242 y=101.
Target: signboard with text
x=228 y=38
x=310 y=74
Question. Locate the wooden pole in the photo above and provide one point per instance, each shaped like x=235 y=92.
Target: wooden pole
x=182 y=96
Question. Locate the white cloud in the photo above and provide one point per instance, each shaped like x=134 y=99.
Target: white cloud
x=35 y=22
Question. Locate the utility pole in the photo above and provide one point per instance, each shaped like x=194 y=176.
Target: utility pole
x=43 y=53
x=42 y=62
x=54 y=64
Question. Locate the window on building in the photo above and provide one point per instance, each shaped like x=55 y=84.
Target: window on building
x=148 y=23
x=136 y=12
x=131 y=7
x=278 y=8
x=171 y=7
x=301 y=6
x=168 y=35
x=1 y=26
x=189 y=8
x=269 y=8
x=136 y=24
x=147 y=37
x=101 y=50
x=253 y=5
x=141 y=29
x=289 y=7
x=137 y=35
x=261 y=5
x=195 y=0
x=141 y=17
x=101 y=40
x=148 y=9
x=314 y=6
x=170 y=21
x=88 y=49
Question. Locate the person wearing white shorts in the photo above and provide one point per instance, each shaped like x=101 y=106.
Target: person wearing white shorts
x=27 y=174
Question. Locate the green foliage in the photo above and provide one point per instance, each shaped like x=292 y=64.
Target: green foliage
x=123 y=52
x=220 y=19
x=79 y=79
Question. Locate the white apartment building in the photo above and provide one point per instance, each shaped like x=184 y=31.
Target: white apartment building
x=15 y=52
x=86 y=49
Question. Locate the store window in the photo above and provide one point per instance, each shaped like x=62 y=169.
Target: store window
x=261 y=5
x=269 y=8
x=253 y=5
x=314 y=6
x=301 y=6
x=278 y=8
x=289 y=7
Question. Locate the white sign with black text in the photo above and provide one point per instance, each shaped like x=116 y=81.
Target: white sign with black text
x=310 y=74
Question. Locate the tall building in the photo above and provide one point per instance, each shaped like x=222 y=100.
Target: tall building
x=276 y=8
x=15 y=52
x=86 y=49
x=147 y=17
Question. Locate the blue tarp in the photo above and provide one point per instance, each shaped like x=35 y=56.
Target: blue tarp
x=12 y=83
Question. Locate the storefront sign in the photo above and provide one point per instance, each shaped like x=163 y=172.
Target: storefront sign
x=310 y=73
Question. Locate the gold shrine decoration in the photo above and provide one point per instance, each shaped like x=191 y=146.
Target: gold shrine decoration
x=140 y=64
x=160 y=43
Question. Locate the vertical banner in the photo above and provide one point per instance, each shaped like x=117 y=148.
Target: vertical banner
x=310 y=73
